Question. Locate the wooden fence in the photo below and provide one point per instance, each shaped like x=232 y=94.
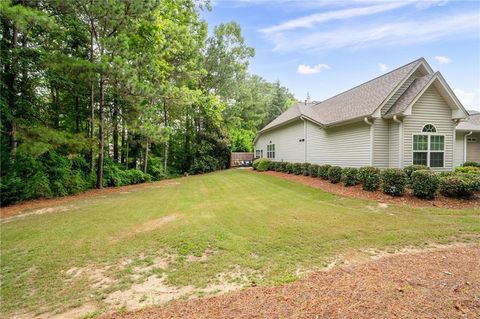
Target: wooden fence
x=241 y=159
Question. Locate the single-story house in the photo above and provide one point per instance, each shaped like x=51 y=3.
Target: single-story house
x=407 y=116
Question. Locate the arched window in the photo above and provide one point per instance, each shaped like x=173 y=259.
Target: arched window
x=429 y=128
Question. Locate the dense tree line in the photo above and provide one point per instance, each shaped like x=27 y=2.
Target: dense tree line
x=114 y=92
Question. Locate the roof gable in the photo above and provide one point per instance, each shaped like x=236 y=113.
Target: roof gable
x=365 y=99
x=403 y=106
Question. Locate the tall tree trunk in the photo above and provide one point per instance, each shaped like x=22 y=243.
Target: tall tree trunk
x=77 y=115
x=126 y=153
x=100 y=134
x=145 y=159
x=115 y=129
x=124 y=141
x=11 y=81
x=55 y=108
x=92 y=96
x=167 y=141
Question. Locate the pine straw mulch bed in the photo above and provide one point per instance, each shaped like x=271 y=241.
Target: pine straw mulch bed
x=22 y=207
x=443 y=283
x=358 y=192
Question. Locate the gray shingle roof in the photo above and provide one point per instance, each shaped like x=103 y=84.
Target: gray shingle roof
x=410 y=94
x=292 y=113
x=472 y=124
x=362 y=100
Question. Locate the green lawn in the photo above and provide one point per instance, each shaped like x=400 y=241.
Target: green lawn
x=255 y=224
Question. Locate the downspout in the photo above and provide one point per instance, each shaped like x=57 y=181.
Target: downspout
x=366 y=120
x=304 y=139
x=400 y=141
x=465 y=146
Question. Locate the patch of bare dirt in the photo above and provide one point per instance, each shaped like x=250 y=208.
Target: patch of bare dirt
x=358 y=192
x=146 y=227
x=444 y=283
x=26 y=206
x=74 y=313
x=39 y=211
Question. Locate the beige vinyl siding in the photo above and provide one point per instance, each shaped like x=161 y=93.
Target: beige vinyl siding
x=346 y=145
x=429 y=108
x=286 y=139
x=400 y=91
x=459 y=149
x=473 y=149
x=381 y=141
x=394 y=149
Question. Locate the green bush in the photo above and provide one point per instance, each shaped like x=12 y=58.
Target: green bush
x=155 y=168
x=335 y=174
x=350 y=176
x=261 y=164
x=412 y=168
x=284 y=167
x=369 y=177
x=297 y=168
x=323 y=171
x=425 y=183
x=468 y=170
x=393 y=181
x=305 y=169
x=474 y=179
x=458 y=186
x=113 y=174
x=135 y=176
x=275 y=166
x=289 y=168
x=471 y=164
x=313 y=170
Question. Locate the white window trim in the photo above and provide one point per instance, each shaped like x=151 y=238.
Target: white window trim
x=428 y=147
x=270 y=153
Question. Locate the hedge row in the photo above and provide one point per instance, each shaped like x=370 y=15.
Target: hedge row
x=462 y=183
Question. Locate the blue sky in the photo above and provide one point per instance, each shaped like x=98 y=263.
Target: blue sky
x=325 y=47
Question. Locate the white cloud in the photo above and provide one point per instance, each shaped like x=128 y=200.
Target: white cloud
x=307 y=69
x=467 y=98
x=311 y=20
x=383 y=67
x=388 y=34
x=443 y=59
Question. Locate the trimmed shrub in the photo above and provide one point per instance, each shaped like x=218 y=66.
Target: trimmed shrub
x=412 y=168
x=289 y=168
x=393 y=181
x=284 y=167
x=297 y=168
x=474 y=179
x=471 y=164
x=425 y=183
x=335 y=174
x=313 y=170
x=277 y=167
x=350 y=176
x=369 y=177
x=468 y=170
x=305 y=169
x=323 y=171
x=261 y=164
x=457 y=185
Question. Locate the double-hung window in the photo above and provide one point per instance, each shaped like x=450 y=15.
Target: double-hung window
x=429 y=148
x=258 y=153
x=271 y=151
